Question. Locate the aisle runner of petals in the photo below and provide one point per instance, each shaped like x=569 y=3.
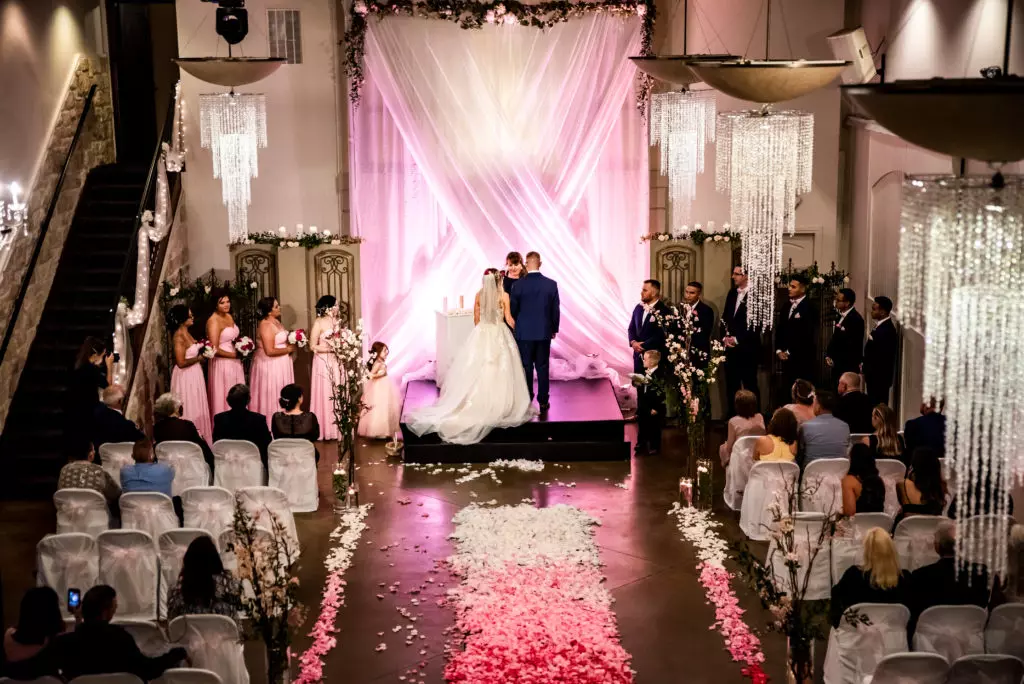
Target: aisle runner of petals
x=531 y=606
x=698 y=528
x=339 y=558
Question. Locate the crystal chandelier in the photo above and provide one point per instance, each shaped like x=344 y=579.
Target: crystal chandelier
x=961 y=283
x=234 y=127
x=682 y=123
x=763 y=161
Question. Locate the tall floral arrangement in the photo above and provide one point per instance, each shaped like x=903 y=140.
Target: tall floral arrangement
x=693 y=372
x=347 y=395
x=270 y=589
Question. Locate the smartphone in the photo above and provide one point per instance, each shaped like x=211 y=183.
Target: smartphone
x=117 y=358
x=74 y=599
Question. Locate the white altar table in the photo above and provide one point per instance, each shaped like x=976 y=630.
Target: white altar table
x=453 y=328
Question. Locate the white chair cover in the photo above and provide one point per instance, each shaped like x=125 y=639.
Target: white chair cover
x=741 y=460
x=915 y=541
x=188 y=675
x=986 y=669
x=117 y=678
x=151 y=512
x=1004 y=633
x=910 y=668
x=65 y=561
x=767 y=482
x=237 y=464
x=807 y=529
x=848 y=543
x=148 y=636
x=81 y=510
x=821 y=487
x=38 y=680
x=172 y=546
x=263 y=502
x=186 y=459
x=891 y=471
x=855 y=651
x=208 y=508
x=292 y=464
x=114 y=456
x=128 y=563
x=213 y=643
x=951 y=631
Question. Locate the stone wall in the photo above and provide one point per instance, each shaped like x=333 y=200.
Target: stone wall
x=96 y=147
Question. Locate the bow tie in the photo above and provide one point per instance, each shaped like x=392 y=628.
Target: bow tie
x=648 y=308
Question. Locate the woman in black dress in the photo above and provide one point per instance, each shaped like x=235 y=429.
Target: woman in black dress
x=93 y=371
x=863 y=489
x=514 y=270
x=291 y=421
x=923 y=492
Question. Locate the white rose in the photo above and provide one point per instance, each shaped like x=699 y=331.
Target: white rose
x=360 y=7
x=846 y=280
x=327 y=233
x=207 y=289
x=662 y=238
x=174 y=292
x=718 y=238
x=254 y=284
x=725 y=238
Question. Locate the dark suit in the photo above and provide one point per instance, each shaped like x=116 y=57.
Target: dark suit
x=110 y=426
x=701 y=339
x=854 y=408
x=741 y=360
x=180 y=430
x=846 y=346
x=795 y=334
x=535 y=309
x=929 y=431
x=645 y=330
x=650 y=417
x=880 y=361
x=243 y=424
x=938 y=584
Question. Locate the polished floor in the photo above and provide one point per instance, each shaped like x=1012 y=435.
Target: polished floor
x=663 y=618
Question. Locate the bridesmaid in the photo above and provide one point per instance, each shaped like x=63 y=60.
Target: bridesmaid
x=225 y=369
x=325 y=367
x=187 y=382
x=271 y=364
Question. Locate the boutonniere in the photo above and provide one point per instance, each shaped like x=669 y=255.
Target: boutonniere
x=840 y=327
x=796 y=315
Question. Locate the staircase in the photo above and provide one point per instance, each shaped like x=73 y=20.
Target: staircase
x=81 y=303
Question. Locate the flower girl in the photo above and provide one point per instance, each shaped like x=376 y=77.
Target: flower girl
x=381 y=397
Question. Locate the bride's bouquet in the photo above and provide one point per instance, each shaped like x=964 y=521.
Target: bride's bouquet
x=244 y=346
x=207 y=349
x=298 y=338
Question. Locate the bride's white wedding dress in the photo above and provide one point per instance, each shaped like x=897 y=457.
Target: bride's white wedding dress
x=485 y=387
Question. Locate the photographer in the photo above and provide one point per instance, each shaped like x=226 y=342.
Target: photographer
x=93 y=371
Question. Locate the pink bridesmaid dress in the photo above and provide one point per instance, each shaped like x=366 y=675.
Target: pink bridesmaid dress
x=224 y=373
x=189 y=385
x=268 y=375
x=382 y=418
x=325 y=377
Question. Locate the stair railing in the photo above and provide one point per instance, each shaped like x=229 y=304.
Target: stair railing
x=44 y=227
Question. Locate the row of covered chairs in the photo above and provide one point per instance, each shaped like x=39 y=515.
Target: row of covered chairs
x=236 y=465
x=178 y=675
x=856 y=649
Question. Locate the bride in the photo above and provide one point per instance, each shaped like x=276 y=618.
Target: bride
x=485 y=387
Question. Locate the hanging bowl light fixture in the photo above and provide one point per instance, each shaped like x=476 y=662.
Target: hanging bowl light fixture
x=230 y=72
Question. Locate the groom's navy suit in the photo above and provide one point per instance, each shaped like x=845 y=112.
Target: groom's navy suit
x=534 y=303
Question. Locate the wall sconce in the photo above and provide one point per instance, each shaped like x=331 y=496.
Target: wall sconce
x=13 y=212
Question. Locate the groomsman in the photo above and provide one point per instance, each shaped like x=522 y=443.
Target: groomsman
x=844 y=353
x=644 y=332
x=794 y=340
x=705 y=321
x=880 y=352
x=742 y=343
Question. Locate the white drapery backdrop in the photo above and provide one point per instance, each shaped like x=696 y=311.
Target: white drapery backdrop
x=468 y=144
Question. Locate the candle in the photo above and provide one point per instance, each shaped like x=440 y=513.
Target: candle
x=461 y=304
x=686 y=491
x=282 y=230
x=445 y=304
x=298 y=230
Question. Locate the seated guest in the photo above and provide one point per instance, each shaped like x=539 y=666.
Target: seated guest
x=146 y=475
x=803 y=401
x=940 y=584
x=108 y=421
x=98 y=647
x=863 y=489
x=923 y=491
x=885 y=442
x=203 y=585
x=239 y=422
x=747 y=422
x=780 y=442
x=1013 y=586
x=824 y=436
x=853 y=406
x=984 y=501
x=82 y=473
x=292 y=422
x=28 y=647
x=169 y=426
x=928 y=430
x=878 y=580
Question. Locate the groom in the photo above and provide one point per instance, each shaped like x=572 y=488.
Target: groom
x=534 y=303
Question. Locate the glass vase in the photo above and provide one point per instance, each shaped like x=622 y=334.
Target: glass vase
x=799 y=661
x=704 y=493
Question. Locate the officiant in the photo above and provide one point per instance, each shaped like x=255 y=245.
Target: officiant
x=644 y=330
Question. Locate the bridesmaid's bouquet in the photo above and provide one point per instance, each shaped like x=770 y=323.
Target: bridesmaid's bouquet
x=207 y=349
x=244 y=346
x=298 y=338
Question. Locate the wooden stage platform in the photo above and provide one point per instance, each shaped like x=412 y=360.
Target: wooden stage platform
x=584 y=423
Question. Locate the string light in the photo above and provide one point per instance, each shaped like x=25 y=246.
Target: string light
x=176 y=151
x=682 y=123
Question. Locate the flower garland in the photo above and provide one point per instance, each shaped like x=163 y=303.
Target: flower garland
x=697 y=236
x=347 y=533
x=830 y=280
x=308 y=240
x=698 y=528
x=469 y=14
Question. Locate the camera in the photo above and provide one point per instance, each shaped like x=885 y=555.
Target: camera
x=74 y=599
